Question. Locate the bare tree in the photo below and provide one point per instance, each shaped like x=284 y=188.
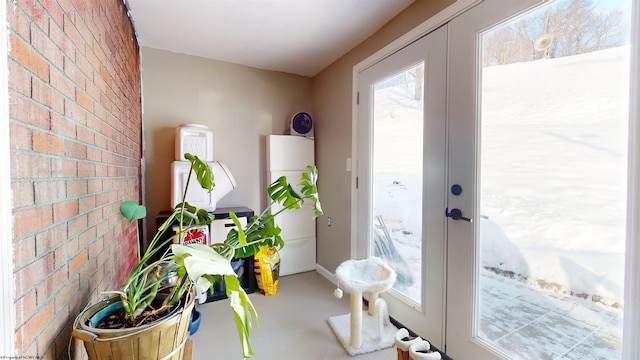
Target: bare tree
x=417 y=73
x=570 y=27
x=503 y=46
x=584 y=30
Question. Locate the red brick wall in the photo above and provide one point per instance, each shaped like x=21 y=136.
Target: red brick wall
x=75 y=133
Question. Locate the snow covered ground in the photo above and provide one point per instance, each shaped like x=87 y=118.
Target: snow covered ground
x=554 y=137
x=553 y=175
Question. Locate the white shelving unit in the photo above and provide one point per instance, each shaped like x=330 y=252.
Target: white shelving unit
x=289 y=155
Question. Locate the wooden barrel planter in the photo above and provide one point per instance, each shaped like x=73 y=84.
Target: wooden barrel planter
x=163 y=339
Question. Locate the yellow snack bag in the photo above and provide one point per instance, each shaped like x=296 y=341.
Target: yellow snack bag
x=267 y=270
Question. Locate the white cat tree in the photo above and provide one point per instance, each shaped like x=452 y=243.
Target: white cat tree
x=373 y=276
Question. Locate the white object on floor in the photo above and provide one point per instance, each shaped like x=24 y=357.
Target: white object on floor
x=415 y=351
x=402 y=344
x=358 y=276
x=371 y=339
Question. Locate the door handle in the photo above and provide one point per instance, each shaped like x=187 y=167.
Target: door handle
x=456 y=214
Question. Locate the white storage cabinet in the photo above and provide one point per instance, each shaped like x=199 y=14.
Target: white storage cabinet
x=289 y=155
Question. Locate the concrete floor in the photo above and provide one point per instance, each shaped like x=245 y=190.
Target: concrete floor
x=294 y=325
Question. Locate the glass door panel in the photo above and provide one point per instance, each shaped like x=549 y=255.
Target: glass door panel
x=397 y=177
x=401 y=134
x=538 y=135
x=553 y=171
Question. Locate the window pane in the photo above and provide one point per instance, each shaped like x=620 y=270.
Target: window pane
x=554 y=126
x=397 y=177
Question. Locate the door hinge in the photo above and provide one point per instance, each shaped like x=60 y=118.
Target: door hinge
x=358 y=98
x=357 y=182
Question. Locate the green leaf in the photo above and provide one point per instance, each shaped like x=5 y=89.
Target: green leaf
x=278 y=188
x=204 y=217
x=243 y=311
x=204 y=282
x=242 y=239
x=203 y=171
x=132 y=211
x=189 y=210
x=202 y=260
x=310 y=189
x=281 y=192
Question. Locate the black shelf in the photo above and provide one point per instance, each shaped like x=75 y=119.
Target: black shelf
x=243 y=267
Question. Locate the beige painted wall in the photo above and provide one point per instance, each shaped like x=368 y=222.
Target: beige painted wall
x=332 y=106
x=241 y=105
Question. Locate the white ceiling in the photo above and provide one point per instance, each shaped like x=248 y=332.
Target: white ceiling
x=294 y=36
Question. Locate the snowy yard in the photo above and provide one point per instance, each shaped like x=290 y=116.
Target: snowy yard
x=553 y=177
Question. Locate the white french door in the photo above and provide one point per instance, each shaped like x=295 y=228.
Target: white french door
x=462 y=292
x=511 y=213
x=538 y=144
x=401 y=157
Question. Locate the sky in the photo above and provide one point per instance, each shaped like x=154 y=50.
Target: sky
x=612 y=4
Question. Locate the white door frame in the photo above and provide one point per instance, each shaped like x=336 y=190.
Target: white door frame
x=631 y=327
x=7 y=314
x=426 y=27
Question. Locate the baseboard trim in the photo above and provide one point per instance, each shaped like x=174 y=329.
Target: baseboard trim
x=327 y=274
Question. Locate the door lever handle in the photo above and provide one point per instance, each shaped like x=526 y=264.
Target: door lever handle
x=456 y=214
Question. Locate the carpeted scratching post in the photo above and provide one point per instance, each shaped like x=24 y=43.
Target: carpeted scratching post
x=355 y=325
x=368 y=331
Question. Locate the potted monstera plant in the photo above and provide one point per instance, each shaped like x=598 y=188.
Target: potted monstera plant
x=149 y=316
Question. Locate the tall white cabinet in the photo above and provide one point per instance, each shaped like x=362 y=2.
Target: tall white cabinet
x=289 y=155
